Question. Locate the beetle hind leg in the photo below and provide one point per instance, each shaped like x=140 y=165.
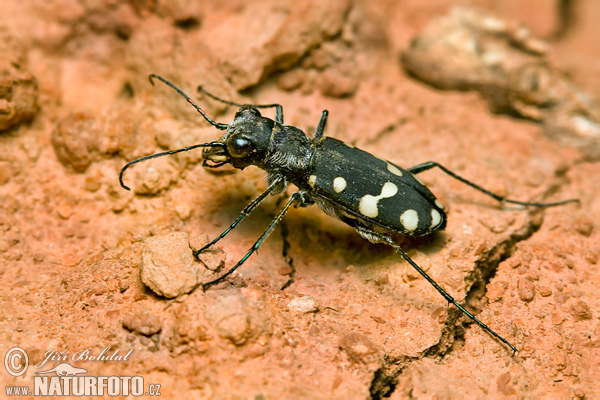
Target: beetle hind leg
x=432 y=164
x=375 y=237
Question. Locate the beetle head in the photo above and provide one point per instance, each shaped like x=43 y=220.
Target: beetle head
x=246 y=140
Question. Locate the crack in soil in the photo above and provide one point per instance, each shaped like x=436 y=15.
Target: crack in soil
x=487 y=266
x=385 y=378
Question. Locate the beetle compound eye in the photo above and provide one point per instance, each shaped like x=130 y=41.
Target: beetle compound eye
x=239 y=147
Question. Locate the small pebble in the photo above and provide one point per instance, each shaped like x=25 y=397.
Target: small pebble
x=285 y=270
x=70 y=259
x=303 y=305
x=545 y=291
x=583 y=226
x=64 y=210
x=526 y=289
x=291 y=80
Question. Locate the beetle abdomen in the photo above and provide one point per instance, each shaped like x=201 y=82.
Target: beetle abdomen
x=374 y=190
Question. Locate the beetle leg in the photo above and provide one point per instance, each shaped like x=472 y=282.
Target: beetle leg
x=321 y=127
x=245 y=212
x=294 y=198
x=432 y=164
x=375 y=237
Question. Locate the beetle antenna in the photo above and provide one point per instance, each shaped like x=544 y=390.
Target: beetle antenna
x=278 y=108
x=233 y=103
x=217 y=125
x=164 y=153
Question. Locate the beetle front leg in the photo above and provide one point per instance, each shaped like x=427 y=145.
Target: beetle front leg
x=295 y=198
x=273 y=187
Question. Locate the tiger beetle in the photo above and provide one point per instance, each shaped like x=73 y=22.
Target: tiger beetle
x=376 y=197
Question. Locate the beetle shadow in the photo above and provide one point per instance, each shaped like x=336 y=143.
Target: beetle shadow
x=308 y=231
x=323 y=236
x=226 y=207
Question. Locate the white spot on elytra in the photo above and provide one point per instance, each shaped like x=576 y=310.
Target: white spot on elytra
x=419 y=180
x=436 y=218
x=339 y=184
x=394 y=170
x=439 y=204
x=368 y=204
x=410 y=220
x=312 y=180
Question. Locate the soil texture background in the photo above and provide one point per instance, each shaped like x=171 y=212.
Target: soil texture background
x=353 y=320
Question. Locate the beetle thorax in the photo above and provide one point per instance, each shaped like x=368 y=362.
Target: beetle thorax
x=290 y=151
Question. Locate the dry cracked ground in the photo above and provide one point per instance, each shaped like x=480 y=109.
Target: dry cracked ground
x=318 y=312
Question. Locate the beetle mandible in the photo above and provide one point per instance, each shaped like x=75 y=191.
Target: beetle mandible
x=376 y=197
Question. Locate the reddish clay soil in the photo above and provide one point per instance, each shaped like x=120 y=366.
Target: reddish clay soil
x=355 y=321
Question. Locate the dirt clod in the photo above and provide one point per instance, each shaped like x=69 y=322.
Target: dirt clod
x=469 y=49
x=581 y=311
x=168 y=266
x=213 y=258
x=18 y=87
x=504 y=385
x=359 y=348
x=235 y=318
x=143 y=322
